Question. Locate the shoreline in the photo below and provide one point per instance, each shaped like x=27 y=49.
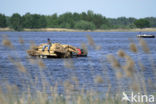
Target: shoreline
x=76 y=30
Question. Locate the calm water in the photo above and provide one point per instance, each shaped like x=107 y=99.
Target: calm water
x=86 y=68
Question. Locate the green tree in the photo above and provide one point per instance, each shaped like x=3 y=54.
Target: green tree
x=152 y=21
x=84 y=20
x=90 y=15
x=99 y=20
x=16 y=22
x=76 y=17
x=85 y=25
x=27 y=21
x=142 y=23
x=38 y=21
x=121 y=22
x=66 y=20
x=3 y=22
x=84 y=16
x=42 y=21
x=52 y=21
x=8 y=21
x=104 y=26
x=131 y=21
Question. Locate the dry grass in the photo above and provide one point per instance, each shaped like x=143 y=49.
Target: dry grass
x=76 y=30
x=133 y=48
x=114 y=62
x=144 y=46
x=122 y=70
x=54 y=29
x=21 y=41
x=121 y=53
x=98 y=79
x=6 y=42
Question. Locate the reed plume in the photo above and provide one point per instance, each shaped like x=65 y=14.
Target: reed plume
x=114 y=62
x=144 y=46
x=129 y=67
x=98 y=79
x=19 y=65
x=133 y=48
x=21 y=41
x=68 y=63
x=121 y=53
x=6 y=42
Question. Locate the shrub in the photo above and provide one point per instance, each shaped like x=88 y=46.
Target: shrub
x=16 y=22
x=2 y=20
x=85 y=25
x=104 y=26
x=142 y=23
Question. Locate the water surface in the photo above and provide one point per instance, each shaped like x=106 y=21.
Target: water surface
x=85 y=68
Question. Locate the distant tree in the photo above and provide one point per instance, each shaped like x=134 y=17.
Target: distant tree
x=152 y=21
x=76 y=17
x=38 y=21
x=84 y=20
x=3 y=22
x=90 y=15
x=42 y=21
x=8 y=21
x=122 y=21
x=83 y=16
x=99 y=20
x=27 y=21
x=142 y=23
x=131 y=20
x=16 y=22
x=104 y=26
x=85 y=25
x=132 y=26
x=52 y=21
x=35 y=21
x=66 y=20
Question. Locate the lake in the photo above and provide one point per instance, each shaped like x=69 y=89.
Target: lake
x=85 y=68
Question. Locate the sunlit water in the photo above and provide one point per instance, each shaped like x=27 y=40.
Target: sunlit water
x=85 y=68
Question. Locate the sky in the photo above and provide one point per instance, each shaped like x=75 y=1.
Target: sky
x=108 y=8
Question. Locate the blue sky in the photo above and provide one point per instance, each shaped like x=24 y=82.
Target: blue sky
x=108 y=8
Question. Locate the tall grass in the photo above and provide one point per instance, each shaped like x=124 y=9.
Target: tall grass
x=74 y=93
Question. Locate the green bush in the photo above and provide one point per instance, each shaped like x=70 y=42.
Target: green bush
x=104 y=26
x=16 y=22
x=3 y=21
x=85 y=25
x=142 y=23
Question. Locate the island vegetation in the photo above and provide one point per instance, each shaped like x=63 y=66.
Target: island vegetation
x=82 y=21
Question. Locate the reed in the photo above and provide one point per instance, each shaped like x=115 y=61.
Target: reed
x=6 y=42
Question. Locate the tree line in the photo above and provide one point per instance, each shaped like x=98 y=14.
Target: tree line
x=85 y=20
